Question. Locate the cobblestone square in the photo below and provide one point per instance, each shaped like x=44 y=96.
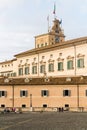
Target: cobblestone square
x=44 y=121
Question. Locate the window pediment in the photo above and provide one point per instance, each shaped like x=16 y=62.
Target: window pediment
x=33 y=63
x=60 y=59
x=50 y=60
x=42 y=62
x=70 y=57
x=80 y=55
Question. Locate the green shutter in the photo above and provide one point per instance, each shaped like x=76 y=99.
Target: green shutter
x=42 y=93
x=69 y=92
x=67 y=64
x=26 y=93
x=5 y=93
x=63 y=92
x=78 y=63
x=0 y=93
x=21 y=93
x=47 y=93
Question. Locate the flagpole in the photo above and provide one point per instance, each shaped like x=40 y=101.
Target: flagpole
x=54 y=11
x=48 y=22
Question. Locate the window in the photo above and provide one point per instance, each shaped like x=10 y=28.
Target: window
x=23 y=105
x=20 y=61
x=51 y=67
x=80 y=63
x=23 y=93
x=44 y=105
x=43 y=57
x=2 y=105
x=27 y=60
x=60 y=66
x=45 y=44
x=42 y=45
x=35 y=59
x=66 y=105
x=26 y=70
x=44 y=93
x=20 y=71
x=66 y=92
x=34 y=70
x=60 y=54
x=37 y=45
x=51 y=55
x=3 y=93
x=70 y=64
x=42 y=68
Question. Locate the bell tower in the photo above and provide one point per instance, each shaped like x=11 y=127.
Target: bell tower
x=54 y=36
x=57 y=31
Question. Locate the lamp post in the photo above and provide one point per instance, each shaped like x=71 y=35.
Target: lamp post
x=78 y=94
x=30 y=100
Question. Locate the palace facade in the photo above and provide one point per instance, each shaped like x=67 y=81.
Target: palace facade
x=52 y=75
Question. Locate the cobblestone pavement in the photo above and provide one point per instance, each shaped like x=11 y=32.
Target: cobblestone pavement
x=44 y=121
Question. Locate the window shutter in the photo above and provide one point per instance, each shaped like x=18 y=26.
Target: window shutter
x=78 y=63
x=0 y=93
x=63 y=92
x=69 y=92
x=47 y=93
x=41 y=69
x=82 y=62
x=21 y=93
x=68 y=64
x=42 y=93
x=26 y=93
x=5 y=93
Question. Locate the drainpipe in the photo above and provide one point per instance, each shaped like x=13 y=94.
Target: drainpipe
x=75 y=59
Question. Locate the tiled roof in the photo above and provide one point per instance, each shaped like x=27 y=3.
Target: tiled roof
x=45 y=81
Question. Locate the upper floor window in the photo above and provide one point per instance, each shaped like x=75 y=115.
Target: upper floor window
x=27 y=60
x=34 y=69
x=23 y=93
x=26 y=70
x=3 y=93
x=51 y=67
x=60 y=54
x=20 y=61
x=34 y=58
x=42 y=68
x=70 y=64
x=60 y=66
x=20 y=71
x=80 y=63
x=43 y=57
x=42 y=45
x=66 y=92
x=45 y=44
x=37 y=45
x=44 y=93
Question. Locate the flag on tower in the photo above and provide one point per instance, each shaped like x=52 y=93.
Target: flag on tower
x=54 y=11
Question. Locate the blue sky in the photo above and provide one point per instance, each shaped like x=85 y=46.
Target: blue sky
x=21 y=20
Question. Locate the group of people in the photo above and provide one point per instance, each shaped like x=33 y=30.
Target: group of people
x=60 y=109
x=7 y=110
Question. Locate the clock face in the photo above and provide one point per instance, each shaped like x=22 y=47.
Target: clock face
x=56 y=39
